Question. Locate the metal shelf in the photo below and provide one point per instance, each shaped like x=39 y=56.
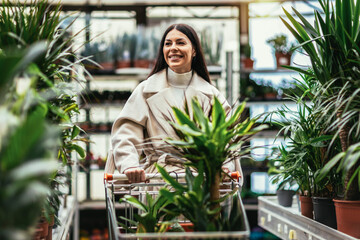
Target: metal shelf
x=288 y=223
x=66 y=218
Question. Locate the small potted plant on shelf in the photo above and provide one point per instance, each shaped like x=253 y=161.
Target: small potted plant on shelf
x=211 y=43
x=246 y=61
x=282 y=48
x=122 y=51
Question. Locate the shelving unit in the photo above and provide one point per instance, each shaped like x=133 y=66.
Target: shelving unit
x=66 y=217
x=288 y=223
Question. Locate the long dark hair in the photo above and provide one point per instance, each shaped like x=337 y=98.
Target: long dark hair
x=198 y=62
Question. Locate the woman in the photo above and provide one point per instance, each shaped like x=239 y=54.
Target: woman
x=179 y=75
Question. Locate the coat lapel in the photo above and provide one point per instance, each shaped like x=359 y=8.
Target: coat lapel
x=160 y=99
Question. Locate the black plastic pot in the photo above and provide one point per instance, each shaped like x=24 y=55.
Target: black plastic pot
x=324 y=211
x=285 y=197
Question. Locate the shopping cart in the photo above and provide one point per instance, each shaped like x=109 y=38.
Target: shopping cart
x=115 y=188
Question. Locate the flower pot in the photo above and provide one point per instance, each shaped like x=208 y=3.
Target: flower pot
x=348 y=217
x=247 y=63
x=141 y=63
x=282 y=59
x=51 y=224
x=123 y=63
x=306 y=206
x=285 y=197
x=44 y=225
x=188 y=227
x=324 y=211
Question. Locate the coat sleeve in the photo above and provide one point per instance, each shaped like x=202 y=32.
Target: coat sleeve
x=127 y=133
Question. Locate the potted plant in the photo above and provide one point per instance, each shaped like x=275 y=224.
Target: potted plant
x=211 y=43
x=122 y=52
x=142 y=53
x=307 y=149
x=245 y=55
x=270 y=92
x=206 y=145
x=282 y=48
x=332 y=45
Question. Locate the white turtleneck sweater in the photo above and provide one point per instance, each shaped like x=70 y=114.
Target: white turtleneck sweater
x=178 y=83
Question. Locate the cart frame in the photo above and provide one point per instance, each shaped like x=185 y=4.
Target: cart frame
x=113 y=187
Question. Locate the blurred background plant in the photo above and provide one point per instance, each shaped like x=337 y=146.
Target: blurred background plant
x=28 y=147
x=212 y=43
x=44 y=86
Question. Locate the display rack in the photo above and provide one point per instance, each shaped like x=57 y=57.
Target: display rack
x=66 y=215
x=288 y=223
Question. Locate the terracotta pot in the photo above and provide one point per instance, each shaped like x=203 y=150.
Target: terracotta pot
x=123 y=63
x=282 y=59
x=142 y=63
x=188 y=227
x=247 y=63
x=44 y=225
x=306 y=206
x=51 y=224
x=348 y=217
x=107 y=65
x=324 y=211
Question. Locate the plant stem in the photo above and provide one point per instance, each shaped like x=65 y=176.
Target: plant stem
x=215 y=191
x=352 y=192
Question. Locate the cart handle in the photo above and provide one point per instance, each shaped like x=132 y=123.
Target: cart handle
x=109 y=176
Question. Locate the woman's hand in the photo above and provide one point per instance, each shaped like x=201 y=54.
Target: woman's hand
x=135 y=175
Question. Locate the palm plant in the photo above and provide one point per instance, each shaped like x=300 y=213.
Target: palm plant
x=205 y=144
x=333 y=47
x=308 y=143
x=22 y=25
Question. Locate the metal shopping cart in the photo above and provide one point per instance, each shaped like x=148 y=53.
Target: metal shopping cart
x=116 y=188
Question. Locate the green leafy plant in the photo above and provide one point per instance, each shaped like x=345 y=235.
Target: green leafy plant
x=205 y=144
x=332 y=44
x=209 y=142
x=190 y=199
x=307 y=148
x=155 y=214
x=27 y=153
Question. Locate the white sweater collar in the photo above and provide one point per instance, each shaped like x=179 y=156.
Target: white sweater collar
x=178 y=80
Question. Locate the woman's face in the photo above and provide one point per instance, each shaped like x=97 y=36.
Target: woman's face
x=178 y=51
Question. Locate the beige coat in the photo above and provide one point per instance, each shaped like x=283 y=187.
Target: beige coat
x=145 y=116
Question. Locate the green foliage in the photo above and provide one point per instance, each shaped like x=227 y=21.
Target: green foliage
x=27 y=147
x=332 y=43
x=190 y=199
x=343 y=162
x=151 y=212
x=209 y=142
x=23 y=25
x=206 y=143
x=308 y=144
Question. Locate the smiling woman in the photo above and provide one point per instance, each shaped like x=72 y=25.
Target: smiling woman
x=178 y=51
x=178 y=76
